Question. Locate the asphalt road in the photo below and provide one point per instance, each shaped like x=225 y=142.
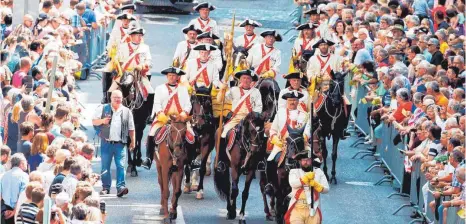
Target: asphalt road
x=354 y=200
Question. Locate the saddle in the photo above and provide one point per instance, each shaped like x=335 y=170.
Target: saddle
x=162 y=133
x=231 y=136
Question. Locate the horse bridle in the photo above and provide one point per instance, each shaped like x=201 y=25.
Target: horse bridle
x=170 y=145
x=337 y=112
x=256 y=138
x=289 y=166
x=207 y=117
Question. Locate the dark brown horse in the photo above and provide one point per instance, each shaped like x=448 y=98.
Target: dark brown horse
x=243 y=157
x=333 y=118
x=133 y=99
x=204 y=128
x=170 y=158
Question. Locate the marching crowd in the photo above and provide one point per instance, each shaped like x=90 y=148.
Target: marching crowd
x=44 y=152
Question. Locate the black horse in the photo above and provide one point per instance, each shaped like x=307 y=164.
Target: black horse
x=204 y=128
x=333 y=118
x=295 y=144
x=243 y=157
x=133 y=99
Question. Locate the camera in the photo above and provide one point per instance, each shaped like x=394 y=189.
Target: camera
x=29 y=82
x=102 y=207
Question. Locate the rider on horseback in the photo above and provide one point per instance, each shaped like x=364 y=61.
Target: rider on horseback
x=302 y=180
x=172 y=99
x=118 y=37
x=216 y=54
x=264 y=58
x=184 y=48
x=290 y=116
x=249 y=39
x=135 y=56
x=204 y=23
x=306 y=39
x=294 y=80
x=202 y=71
x=245 y=99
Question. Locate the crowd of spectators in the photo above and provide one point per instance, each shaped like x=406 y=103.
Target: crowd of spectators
x=44 y=153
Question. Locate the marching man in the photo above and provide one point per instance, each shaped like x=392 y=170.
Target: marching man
x=294 y=80
x=301 y=181
x=184 y=48
x=204 y=23
x=244 y=99
x=202 y=71
x=287 y=116
x=171 y=99
x=249 y=39
x=135 y=55
x=118 y=37
x=264 y=58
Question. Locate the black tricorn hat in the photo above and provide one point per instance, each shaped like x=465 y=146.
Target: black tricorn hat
x=323 y=41
x=273 y=33
x=247 y=72
x=204 y=5
x=174 y=70
x=292 y=95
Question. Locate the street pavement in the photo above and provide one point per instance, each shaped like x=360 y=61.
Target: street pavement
x=354 y=200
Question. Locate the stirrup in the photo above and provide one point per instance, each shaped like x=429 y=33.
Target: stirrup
x=261 y=166
x=221 y=167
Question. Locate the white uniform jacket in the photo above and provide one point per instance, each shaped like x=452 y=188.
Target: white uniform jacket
x=181 y=52
x=294 y=179
x=301 y=44
x=248 y=41
x=263 y=59
x=162 y=98
x=205 y=25
x=203 y=74
x=132 y=55
x=318 y=64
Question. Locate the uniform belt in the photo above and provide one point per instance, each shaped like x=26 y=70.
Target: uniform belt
x=115 y=142
x=301 y=201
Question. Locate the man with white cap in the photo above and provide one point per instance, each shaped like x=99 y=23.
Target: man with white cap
x=204 y=22
x=202 y=72
x=249 y=39
x=184 y=48
x=289 y=116
x=264 y=58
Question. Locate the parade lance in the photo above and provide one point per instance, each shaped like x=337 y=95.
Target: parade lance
x=52 y=86
x=229 y=54
x=311 y=152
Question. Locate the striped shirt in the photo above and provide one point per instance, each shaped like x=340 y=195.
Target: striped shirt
x=27 y=214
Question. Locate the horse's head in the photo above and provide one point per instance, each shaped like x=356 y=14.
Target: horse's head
x=304 y=59
x=126 y=82
x=270 y=92
x=337 y=88
x=294 y=141
x=176 y=133
x=253 y=130
x=202 y=108
x=239 y=58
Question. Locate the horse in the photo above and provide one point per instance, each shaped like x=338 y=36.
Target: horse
x=295 y=144
x=170 y=158
x=204 y=128
x=242 y=157
x=333 y=118
x=133 y=99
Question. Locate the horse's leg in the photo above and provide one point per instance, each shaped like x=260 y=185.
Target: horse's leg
x=245 y=194
x=235 y=174
x=177 y=179
x=166 y=163
x=205 y=153
x=323 y=146
x=281 y=192
x=262 y=183
x=139 y=133
x=187 y=183
x=160 y=180
x=336 y=140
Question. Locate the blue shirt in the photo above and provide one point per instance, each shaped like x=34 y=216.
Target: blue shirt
x=89 y=17
x=427 y=55
x=13 y=183
x=361 y=56
x=421 y=7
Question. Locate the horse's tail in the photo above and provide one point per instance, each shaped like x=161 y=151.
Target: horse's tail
x=222 y=175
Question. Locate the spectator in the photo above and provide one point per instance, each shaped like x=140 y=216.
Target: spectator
x=79 y=212
x=65 y=171
x=49 y=163
x=25 y=196
x=434 y=49
x=61 y=116
x=25 y=66
x=71 y=180
x=38 y=148
x=13 y=183
x=27 y=133
x=5 y=155
x=28 y=211
x=46 y=125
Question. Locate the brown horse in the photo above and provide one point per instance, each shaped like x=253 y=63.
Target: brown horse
x=170 y=159
x=242 y=158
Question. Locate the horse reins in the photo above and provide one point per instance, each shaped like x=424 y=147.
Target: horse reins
x=171 y=148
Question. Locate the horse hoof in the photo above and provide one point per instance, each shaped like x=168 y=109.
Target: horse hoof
x=161 y=212
x=269 y=189
x=269 y=217
x=134 y=173
x=187 y=189
x=273 y=213
x=173 y=215
x=200 y=195
x=333 y=179
x=242 y=221
x=208 y=172
x=167 y=221
x=194 y=187
x=231 y=215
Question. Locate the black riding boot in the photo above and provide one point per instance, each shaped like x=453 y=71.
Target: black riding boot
x=106 y=83
x=150 y=150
